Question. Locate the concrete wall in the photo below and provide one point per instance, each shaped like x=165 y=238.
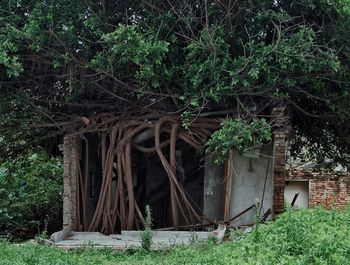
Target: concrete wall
x=248 y=184
x=213 y=199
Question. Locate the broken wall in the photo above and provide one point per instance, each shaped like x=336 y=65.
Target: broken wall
x=252 y=182
x=327 y=189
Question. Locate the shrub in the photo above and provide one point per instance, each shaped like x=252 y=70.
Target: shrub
x=30 y=195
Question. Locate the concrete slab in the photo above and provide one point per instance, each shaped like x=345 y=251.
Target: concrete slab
x=131 y=239
x=170 y=234
x=60 y=235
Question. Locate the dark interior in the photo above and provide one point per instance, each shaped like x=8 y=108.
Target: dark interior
x=151 y=183
x=153 y=186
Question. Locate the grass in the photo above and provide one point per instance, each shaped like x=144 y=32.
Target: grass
x=315 y=236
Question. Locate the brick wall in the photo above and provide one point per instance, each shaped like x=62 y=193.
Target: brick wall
x=328 y=189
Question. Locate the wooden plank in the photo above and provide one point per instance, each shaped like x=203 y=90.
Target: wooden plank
x=229 y=171
x=295 y=198
x=264 y=217
x=241 y=213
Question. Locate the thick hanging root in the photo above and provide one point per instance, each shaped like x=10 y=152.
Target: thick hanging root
x=129 y=186
x=174 y=204
x=124 y=211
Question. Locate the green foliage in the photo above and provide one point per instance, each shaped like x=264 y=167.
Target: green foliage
x=132 y=55
x=146 y=234
x=238 y=134
x=186 y=115
x=11 y=63
x=212 y=240
x=211 y=69
x=313 y=236
x=30 y=187
x=178 y=57
x=208 y=66
x=41 y=237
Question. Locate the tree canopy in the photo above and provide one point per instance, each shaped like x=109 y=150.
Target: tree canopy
x=64 y=59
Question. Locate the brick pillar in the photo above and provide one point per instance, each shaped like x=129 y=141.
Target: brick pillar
x=280 y=133
x=70 y=177
x=342 y=192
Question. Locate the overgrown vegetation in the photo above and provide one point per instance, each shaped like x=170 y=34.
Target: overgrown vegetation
x=315 y=236
x=65 y=59
x=240 y=135
x=30 y=195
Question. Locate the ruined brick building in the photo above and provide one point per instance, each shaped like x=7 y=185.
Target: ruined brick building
x=113 y=168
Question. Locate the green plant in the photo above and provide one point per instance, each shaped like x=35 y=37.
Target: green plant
x=310 y=236
x=146 y=234
x=212 y=240
x=63 y=59
x=186 y=115
x=238 y=134
x=288 y=206
x=256 y=221
x=42 y=237
x=30 y=195
x=88 y=246
x=194 y=239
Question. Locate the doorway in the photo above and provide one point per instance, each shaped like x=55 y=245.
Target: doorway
x=297 y=187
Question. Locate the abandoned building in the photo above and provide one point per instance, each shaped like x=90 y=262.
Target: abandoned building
x=315 y=188
x=115 y=166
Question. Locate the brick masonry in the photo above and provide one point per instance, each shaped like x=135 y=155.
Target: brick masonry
x=327 y=189
x=279 y=170
x=281 y=131
x=70 y=176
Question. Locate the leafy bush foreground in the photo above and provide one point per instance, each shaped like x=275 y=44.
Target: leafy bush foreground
x=30 y=195
x=315 y=236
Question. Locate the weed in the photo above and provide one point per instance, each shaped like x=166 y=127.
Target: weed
x=194 y=239
x=257 y=221
x=146 y=234
x=41 y=237
x=212 y=239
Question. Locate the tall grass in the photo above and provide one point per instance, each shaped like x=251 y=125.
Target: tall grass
x=315 y=236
